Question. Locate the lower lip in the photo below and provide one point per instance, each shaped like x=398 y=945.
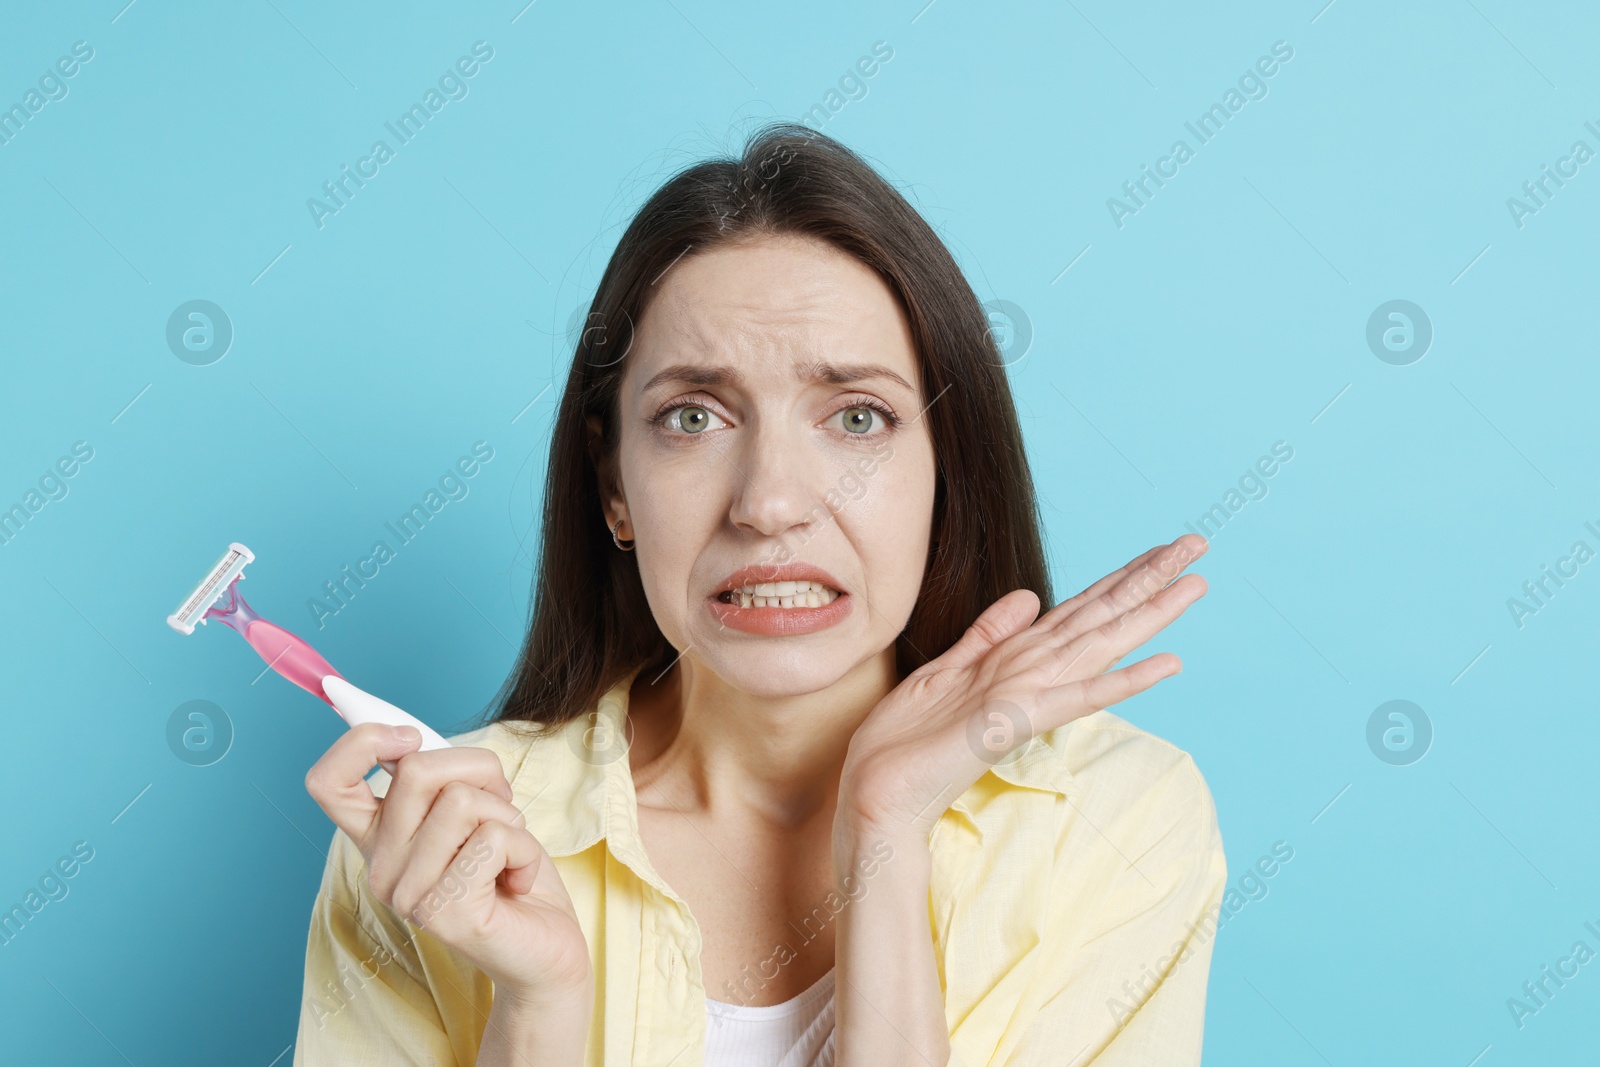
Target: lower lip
x=780 y=622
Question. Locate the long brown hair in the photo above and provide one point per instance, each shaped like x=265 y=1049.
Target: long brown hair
x=591 y=621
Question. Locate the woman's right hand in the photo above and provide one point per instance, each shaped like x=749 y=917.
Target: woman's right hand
x=447 y=849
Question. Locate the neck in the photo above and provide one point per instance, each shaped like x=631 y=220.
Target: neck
x=701 y=744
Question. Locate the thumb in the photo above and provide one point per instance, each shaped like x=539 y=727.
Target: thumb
x=404 y=740
x=338 y=780
x=1012 y=612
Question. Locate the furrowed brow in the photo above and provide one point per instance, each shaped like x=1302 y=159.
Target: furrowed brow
x=818 y=371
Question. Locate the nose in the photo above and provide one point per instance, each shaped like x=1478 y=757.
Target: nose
x=775 y=485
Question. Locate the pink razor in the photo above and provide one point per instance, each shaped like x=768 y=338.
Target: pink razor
x=217 y=596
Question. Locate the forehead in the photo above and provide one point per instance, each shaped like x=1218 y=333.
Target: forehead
x=775 y=306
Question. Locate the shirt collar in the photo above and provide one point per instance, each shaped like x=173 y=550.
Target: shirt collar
x=1040 y=764
x=580 y=784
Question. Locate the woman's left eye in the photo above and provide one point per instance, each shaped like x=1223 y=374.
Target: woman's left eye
x=858 y=419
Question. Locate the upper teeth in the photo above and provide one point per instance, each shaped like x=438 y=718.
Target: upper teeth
x=782 y=595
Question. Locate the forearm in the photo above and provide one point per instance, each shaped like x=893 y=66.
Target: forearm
x=889 y=1007
x=549 y=1033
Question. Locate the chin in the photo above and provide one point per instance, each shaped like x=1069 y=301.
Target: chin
x=777 y=667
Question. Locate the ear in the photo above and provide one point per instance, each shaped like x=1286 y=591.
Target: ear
x=605 y=473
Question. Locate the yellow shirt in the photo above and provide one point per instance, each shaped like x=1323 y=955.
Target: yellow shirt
x=1073 y=905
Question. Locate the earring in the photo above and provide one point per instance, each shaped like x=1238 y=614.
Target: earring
x=625 y=547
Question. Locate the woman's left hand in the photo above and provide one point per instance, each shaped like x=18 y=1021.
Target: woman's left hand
x=1008 y=679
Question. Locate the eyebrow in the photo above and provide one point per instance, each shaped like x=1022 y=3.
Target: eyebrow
x=815 y=371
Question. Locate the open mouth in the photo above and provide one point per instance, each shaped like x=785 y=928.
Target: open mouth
x=780 y=595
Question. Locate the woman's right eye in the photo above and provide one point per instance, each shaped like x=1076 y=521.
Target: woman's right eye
x=686 y=420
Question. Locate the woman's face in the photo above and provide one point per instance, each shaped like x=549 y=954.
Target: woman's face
x=771 y=416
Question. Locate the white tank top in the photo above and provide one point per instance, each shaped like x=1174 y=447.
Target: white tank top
x=796 y=1033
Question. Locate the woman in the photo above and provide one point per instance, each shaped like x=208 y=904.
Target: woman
x=792 y=768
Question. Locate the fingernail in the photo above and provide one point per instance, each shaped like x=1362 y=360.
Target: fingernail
x=407 y=733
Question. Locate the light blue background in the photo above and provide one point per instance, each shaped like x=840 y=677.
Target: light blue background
x=1226 y=315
